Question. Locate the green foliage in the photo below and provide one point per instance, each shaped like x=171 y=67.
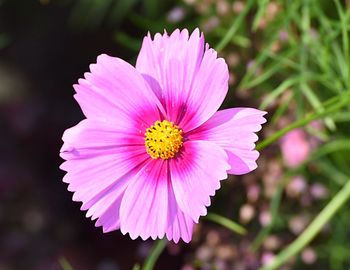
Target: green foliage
x=303 y=56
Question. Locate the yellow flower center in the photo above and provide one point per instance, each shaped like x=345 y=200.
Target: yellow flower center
x=163 y=140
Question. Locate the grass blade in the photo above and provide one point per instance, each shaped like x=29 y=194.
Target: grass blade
x=235 y=26
x=340 y=101
x=154 y=255
x=312 y=230
x=65 y=264
x=229 y=224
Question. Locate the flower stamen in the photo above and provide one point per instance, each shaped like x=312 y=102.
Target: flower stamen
x=163 y=140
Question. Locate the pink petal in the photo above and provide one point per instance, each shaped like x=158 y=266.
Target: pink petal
x=195 y=176
x=207 y=92
x=190 y=81
x=144 y=206
x=234 y=130
x=115 y=89
x=143 y=211
x=149 y=209
x=96 y=133
x=169 y=63
x=100 y=161
x=180 y=225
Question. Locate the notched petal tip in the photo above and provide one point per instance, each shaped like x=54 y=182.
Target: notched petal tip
x=104 y=230
x=131 y=235
x=177 y=239
x=196 y=32
x=186 y=240
x=176 y=32
x=103 y=57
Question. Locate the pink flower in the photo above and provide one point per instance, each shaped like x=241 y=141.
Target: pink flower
x=267 y=258
x=153 y=149
x=295 y=148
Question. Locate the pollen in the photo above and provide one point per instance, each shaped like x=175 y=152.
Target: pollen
x=163 y=140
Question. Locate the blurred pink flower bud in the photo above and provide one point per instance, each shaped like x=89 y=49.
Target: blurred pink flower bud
x=295 y=148
x=316 y=124
x=222 y=7
x=177 y=14
x=233 y=59
x=213 y=238
x=219 y=264
x=253 y=192
x=265 y=218
x=272 y=242
x=272 y=9
x=298 y=223
x=296 y=186
x=267 y=257
x=226 y=252
x=238 y=6
x=246 y=213
x=318 y=191
x=283 y=35
x=309 y=256
x=204 y=253
x=210 y=24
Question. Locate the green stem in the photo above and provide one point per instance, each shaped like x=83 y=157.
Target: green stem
x=233 y=226
x=312 y=230
x=155 y=253
x=65 y=264
x=341 y=102
x=234 y=27
x=136 y=267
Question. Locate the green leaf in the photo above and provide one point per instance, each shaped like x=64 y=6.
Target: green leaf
x=154 y=255
x=333 y=146
x=317 y=104
x=271 y=97
x=227 y=223
x=65 y=264
x=262 y=5
x=136 y=267
x=234 y=26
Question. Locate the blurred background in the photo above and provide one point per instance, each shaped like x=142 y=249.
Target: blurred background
x=290 y=58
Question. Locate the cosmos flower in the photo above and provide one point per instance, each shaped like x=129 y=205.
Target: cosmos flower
x=295 y=148
x=153 y=148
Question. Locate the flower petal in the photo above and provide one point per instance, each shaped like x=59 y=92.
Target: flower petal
x=192 y=179
x=171 y=64
x=116 y=89
x=90 y=134
x=233 y=130
x=207 y=93
x=100 y=161
x=180 y=225
x=144 y=207
x=149 y=209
